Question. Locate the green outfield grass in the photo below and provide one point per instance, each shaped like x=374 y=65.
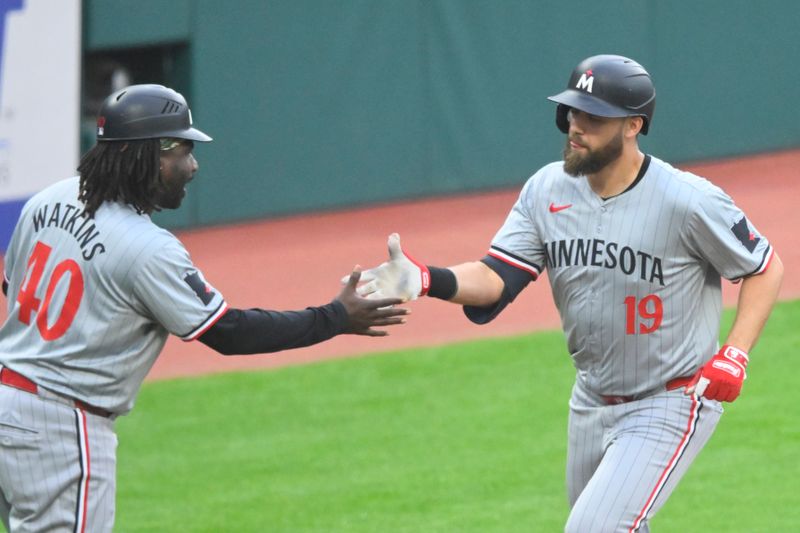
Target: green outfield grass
x=464 y=438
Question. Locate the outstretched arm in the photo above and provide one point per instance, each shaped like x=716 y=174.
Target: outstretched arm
x=402 y=276
x=478 y=285
x=252 y=331
x=483 y=287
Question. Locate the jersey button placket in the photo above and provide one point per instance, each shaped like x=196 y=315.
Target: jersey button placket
x=593 y=340
x=603 y=211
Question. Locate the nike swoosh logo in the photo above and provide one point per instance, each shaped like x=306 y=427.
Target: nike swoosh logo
x=556 y=208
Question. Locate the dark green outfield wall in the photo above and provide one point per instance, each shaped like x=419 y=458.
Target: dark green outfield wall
x=323 y=104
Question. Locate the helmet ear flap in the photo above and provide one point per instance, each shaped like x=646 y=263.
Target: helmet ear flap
x=645 y=124
x=561 y=118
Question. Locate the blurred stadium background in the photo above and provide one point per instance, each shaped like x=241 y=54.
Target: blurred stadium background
x=318 y=105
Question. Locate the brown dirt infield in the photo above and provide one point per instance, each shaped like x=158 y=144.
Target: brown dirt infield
x=297 y=261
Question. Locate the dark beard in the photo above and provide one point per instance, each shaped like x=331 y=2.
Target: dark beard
x=577 y=165
x=170 y=195
x=171 y=200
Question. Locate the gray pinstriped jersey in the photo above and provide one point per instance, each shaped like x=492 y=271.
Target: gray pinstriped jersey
x=637 y=277
x=92 y=301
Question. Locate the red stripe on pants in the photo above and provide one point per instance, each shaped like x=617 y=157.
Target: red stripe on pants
x=670 y=466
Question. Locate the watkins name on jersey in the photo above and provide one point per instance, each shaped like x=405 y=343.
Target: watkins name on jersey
x=599 y=253
x=73 y=220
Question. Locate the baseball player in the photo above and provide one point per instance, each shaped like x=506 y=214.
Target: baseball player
x=93 y=290
x=634 y=251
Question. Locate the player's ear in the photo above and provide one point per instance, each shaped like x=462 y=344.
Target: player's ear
x=633 y=125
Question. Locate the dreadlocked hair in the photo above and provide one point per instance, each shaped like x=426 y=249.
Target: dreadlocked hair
x=120 y=171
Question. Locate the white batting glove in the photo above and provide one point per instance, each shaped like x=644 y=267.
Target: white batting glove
x=400 y=277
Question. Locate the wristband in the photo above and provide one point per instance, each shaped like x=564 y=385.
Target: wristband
x=424 y=275
x=444 y=284
x=735 y=356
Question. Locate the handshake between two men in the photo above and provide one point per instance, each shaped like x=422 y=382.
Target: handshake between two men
x=402 y=279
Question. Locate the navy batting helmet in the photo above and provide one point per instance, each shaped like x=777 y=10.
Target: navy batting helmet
x=146 y=112
x=607 y=86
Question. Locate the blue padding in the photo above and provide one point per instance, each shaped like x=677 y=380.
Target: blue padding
x=9 y=214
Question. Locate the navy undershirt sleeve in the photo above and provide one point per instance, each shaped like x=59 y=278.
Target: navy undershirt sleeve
x=251 y=331
x=515 y=280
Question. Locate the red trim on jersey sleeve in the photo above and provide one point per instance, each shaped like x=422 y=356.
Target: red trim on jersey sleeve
x=205 y=326
x=769 y=253
x=767 y=262
x=513 y=261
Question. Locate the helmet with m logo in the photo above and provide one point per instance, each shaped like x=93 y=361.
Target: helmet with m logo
x=607 y=86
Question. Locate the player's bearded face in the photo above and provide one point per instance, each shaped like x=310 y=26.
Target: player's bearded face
x=177 y=169
x=588 y=160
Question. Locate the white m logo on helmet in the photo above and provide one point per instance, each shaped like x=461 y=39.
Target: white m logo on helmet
x=586 y=82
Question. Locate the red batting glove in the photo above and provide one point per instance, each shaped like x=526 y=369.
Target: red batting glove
x=722 y=376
